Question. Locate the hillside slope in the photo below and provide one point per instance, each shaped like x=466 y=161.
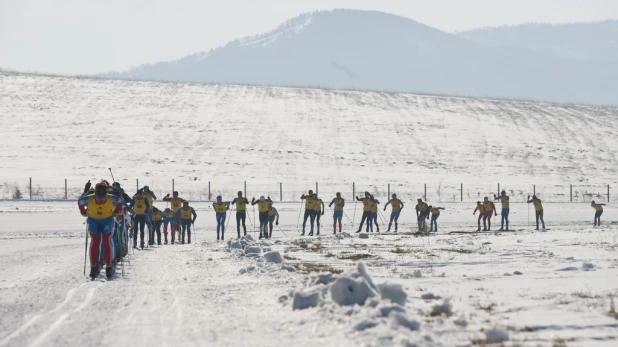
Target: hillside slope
x=54 y=128
x=347 y=49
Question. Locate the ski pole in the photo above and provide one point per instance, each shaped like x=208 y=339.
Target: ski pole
x=299 y=210
x=86 y=250
x=354 y=216
x=110 y=171
x=286 y=235
x=346 y=216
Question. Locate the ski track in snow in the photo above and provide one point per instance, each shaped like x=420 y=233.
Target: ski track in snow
x=538 y=287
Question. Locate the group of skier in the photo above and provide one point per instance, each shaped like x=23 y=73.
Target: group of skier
x=113 y=217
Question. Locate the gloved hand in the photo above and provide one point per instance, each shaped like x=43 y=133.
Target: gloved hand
x=277 y=223
x=322 y=213
x=87 y=187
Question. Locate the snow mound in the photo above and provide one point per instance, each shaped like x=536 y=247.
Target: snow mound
x=273 y=257
x=303 y=300
x=496 y=335
x=393 y=292
x=588 y=266
x=347 y=291
x=442 y=309
x=235 y=244
x=415 y=274
x=398 y=319
x=253 y=250
x=429 y=296
x=366 y=324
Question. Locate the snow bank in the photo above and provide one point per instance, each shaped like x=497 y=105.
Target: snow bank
x=393 y=292
x=303 y=300
x=496 y=335
x=351 y=291
x=273 y=257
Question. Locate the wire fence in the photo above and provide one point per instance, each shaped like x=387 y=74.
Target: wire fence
x=32 y=188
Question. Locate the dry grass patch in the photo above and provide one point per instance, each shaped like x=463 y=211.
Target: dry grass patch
x=315 y=267
x=357 y=256
x=399 y=250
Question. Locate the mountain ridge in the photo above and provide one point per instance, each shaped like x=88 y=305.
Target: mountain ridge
x=370 y=50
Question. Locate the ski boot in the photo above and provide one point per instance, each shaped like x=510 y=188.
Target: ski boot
x=260 y=237
x=302 y=234
x=172 y=242
x=484 y=229
x=94 y=272
x=142 y=244
x=501 y=229
x=109 y=272
x=311 y=233
x=218 y=237
x=358 y=231
x=317 y=234
x=378 y=230
x=479 y=228
x=222 y=238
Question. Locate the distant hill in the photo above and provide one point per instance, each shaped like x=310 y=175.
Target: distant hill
x=580 y=41
x=348 y=49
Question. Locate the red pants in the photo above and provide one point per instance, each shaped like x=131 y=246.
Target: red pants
x=96 y=245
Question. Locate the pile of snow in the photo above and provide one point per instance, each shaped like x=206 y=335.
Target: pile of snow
x=261 y=251
x=355 y=296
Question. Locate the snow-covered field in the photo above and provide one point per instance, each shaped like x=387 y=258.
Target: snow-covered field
x=54 y=128
x=536 y=288
x=523 y=288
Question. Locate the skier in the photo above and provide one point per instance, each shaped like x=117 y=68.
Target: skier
x=168 y=219
x=504 y=200
x=318 y=206
x=538 y=208
x=337 y=211
x=272 y=213
x=221 y=213
x=157 y=220
x=481 y=209
x=186 y=215
x=122 y=219
x=241 y=212
x=140 y=209
x=599 y=211
x=366 y=211
x=374 y=215
x=488 y=207
x=101 y=208
x=422 y=213
x=435 y=213
x=396 y=206
x=309 y=211
x=175 y=204
x=263 y=209
x=151 y=197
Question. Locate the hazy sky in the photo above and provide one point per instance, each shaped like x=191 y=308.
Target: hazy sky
x=89 y=36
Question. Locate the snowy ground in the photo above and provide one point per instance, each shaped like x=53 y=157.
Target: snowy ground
x=537 y=288
x=52 y=127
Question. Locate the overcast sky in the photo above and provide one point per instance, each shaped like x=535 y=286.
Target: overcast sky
x=90 y=36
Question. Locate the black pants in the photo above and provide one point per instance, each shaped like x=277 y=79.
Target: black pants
x=366 y=216
x=271 y=220
x=241 y=216
x=317 y=219
x=140 y=221
x=157 y=229
x=264 y=223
